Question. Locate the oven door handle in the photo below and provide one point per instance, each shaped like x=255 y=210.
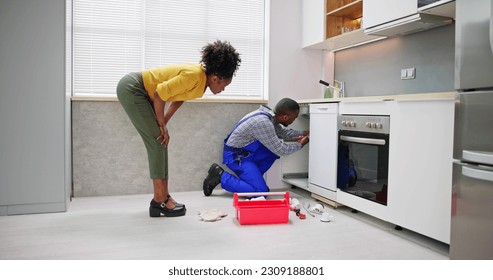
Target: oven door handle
x=371 y=141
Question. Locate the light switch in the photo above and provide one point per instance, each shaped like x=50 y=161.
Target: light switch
x=403 y=74
x=411 y=73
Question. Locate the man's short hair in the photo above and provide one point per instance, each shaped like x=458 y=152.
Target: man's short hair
x=286 y=105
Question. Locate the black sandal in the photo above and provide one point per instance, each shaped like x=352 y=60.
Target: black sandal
x=176 y=203
x=156 y=209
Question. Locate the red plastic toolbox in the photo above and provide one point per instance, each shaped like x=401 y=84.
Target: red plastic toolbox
x=270 y=211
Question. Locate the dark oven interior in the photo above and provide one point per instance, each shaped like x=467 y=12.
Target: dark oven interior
x=363 y=164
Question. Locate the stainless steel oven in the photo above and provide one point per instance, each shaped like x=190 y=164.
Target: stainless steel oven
x=363 y=156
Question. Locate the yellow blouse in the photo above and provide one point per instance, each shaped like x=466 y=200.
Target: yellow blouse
x=178 y=82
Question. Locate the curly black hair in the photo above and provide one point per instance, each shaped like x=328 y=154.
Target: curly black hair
x=220 y=59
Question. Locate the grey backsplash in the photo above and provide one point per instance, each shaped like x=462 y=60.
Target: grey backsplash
x=109 y=157
x=374 y=69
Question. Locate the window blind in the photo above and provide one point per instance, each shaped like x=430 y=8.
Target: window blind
x=114 y=37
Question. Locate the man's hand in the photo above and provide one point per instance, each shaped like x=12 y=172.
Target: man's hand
x=303 y=140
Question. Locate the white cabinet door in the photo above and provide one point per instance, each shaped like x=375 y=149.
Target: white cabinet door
x=323 y=149
x=313 y=20
x=420 y=167
x=378 y=12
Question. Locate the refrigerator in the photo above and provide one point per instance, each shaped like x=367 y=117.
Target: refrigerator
x=471 y=235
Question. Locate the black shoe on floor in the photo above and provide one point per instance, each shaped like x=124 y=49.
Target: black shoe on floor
x=212 y=179
x=156 y=209
x=178 y=204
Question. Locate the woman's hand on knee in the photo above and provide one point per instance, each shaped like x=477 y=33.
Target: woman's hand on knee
x=163 y=136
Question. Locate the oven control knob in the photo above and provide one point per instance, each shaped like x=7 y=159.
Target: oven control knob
x=368 y=124
x=343 y=123
x=374 y=125
x=352 y=124
x=379 y=125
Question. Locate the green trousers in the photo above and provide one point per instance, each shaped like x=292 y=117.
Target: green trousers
x=138 y=106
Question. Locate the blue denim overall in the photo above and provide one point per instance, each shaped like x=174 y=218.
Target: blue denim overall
x=248 y=163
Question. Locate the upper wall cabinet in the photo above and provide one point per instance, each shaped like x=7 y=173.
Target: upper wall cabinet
x=333 y=24
x=391 y=18
x=313 y=21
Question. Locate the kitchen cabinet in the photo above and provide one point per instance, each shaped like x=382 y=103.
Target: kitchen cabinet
x=382 y=11
x=391 y=18
x=313 y=17
x=323 y=150
x=420 y=162
x=333 y=24
x=338 y=24
x=342 y=17
x=420 y=171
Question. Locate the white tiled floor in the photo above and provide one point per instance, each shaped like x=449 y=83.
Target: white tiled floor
x=119 y=227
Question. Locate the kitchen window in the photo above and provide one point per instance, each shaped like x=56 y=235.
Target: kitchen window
x=115 y=37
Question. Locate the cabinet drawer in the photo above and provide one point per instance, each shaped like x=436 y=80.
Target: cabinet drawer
x=324 y=108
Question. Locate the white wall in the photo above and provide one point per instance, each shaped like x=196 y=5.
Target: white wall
x=293 y=72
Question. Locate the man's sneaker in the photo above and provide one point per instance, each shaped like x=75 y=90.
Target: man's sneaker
x=213 y=179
